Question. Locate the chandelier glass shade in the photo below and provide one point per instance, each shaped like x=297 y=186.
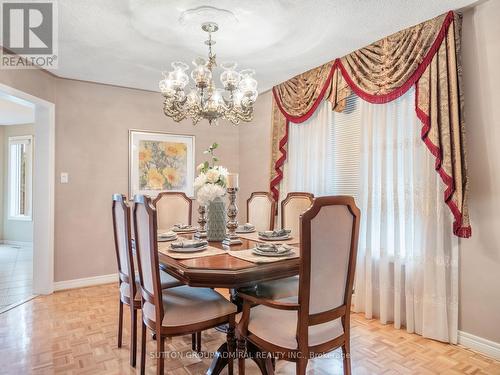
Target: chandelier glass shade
x=205 y=101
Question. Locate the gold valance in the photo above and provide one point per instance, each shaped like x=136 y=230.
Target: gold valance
x=426 y=56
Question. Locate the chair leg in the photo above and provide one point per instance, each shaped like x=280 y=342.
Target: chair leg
x=301 y=366
x=143 y=348
x=160 y=349
x=241 y=354
x=198 y=342
x=133 y=335
x=120 y=324
x=346 y=354
x=231 y=344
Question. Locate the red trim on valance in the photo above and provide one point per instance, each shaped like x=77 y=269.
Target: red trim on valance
x=279 y=164
x=458 y=229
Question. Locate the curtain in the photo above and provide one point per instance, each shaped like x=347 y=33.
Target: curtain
x=425 y=56
x=407 y=257
x=407 y=270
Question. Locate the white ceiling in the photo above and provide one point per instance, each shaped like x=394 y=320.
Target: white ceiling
x=14 y=111
x=128 y=42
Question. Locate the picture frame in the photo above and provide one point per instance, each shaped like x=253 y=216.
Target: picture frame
x=160 y=161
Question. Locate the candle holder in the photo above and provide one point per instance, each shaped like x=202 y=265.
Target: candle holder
x=232 y=223
x=202 y=221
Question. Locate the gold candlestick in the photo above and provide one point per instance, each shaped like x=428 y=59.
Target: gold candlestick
x=202 y=220
x=232 y=223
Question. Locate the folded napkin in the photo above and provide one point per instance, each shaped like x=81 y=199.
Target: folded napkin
x=273 y=248
x=188 y=244
x=182 y=226
x=275 y=233
x=168 y=234
x=246 y=226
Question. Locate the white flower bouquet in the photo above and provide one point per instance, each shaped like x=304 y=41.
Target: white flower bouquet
x=211 y=180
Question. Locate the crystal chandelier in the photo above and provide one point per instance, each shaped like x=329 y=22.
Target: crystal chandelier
x=206 y=101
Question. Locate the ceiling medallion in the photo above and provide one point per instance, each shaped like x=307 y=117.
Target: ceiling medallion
x=205 y=100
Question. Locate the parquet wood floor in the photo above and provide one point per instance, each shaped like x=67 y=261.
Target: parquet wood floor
x=74 y=332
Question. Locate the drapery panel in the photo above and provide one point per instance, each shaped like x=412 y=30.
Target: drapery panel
x=426 y=56
x=407 y=268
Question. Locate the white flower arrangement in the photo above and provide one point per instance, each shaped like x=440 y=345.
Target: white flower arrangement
x=211 y=180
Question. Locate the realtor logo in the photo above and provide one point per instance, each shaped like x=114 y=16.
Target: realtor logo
x=29 y=34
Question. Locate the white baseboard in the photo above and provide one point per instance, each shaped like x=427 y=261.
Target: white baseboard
x=484 y=346
x=86 y=281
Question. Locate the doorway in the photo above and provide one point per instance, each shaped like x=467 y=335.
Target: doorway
x=27 y=174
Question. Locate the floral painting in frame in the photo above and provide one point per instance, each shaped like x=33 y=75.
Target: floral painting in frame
x=161 y=162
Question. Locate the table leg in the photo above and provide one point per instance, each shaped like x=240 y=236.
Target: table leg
x=261 y=359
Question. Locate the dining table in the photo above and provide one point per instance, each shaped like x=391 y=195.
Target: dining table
x=224 y=270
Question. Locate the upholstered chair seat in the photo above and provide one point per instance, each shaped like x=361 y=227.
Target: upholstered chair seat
x=283 y=330
x=185 y=305
x=166 y=281
x=278 y=289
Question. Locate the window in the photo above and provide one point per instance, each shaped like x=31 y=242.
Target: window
x=324 y=152
x=20 y=177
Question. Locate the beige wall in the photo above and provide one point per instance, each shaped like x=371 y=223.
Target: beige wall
x=255 y=152
x=480 y=255
x=13 y=230
x=92 y=123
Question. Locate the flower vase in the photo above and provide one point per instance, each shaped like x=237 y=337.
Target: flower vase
x=216 y=223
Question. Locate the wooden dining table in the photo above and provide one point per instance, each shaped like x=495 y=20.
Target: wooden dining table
x=227 y=271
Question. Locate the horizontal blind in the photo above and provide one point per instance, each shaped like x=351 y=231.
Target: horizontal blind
x=344 y=172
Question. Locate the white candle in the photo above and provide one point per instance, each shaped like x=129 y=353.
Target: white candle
x=232 y=180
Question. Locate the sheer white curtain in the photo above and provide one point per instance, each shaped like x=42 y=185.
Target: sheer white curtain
x=407 y=270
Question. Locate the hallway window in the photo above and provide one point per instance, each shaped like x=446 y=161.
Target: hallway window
x=20 y=177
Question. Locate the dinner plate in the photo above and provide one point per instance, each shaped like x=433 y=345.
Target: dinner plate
x=166 y=239
x=271 y=254
x=241 y=230
x=282 y=238
x=189 y=249
x=188 y=230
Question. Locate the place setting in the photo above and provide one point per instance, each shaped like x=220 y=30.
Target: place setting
x=278 y=235
x=266 y=253
x=183 y=228
x=187 y=249
x=167 y=236
x=245 y=228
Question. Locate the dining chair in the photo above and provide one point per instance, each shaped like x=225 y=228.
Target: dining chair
x=261 y=209
x=128 y=282
x=317 y=321
x=294 y=205
x=176 y=311
x=173 y=208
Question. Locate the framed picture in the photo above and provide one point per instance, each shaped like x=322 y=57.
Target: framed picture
x=160 y=162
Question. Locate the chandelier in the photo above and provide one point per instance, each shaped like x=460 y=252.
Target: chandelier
x=205 y=100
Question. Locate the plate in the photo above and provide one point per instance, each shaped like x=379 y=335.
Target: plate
x=282 y=238
x=188 y=249
x=188 y=230
x=269 y=254
x=166 y=239
x=245 y=231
